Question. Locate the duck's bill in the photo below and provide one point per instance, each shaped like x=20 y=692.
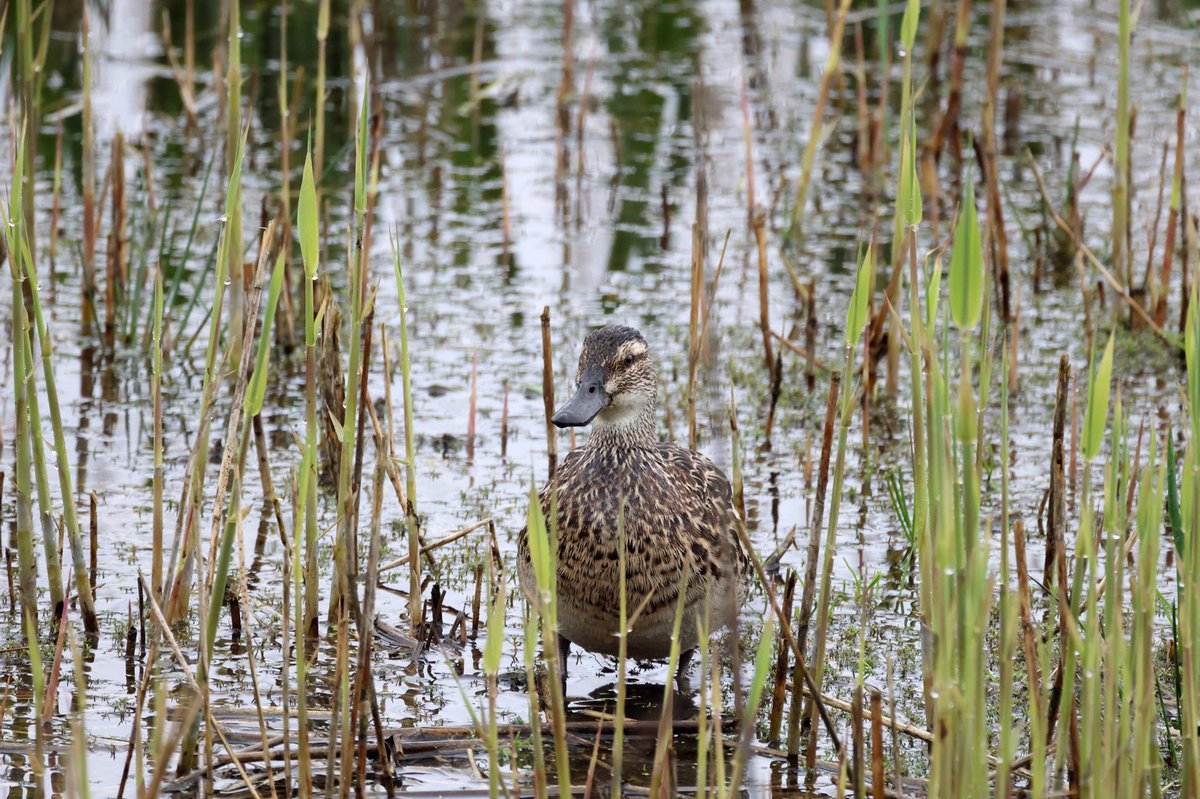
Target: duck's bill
x=590 y=398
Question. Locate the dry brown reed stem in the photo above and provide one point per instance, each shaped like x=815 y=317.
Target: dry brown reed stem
x=863 y=105
x=1133 y=472
x=878 y=782
x=1160 y=309
x=1149 y=287
x=364 y=399
x=1117 y=287
x=1026 y=611
x=93 y=536
x=781 y=662
x=117 y=240
x=237 y=406
x=48 y=701
x=426 y=548
x=548 y=392
x=758 y=223
x=814 y=535
x=1056 y=557
x=810 y=337
x=785 y=627
x=1057 y=526
x=789 y=344
x=270 y=497
x=946 y=128
x=182 y=78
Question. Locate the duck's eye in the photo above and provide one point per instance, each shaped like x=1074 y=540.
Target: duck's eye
x=629 y=360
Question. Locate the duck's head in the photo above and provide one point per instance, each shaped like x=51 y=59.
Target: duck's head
x=615 y=384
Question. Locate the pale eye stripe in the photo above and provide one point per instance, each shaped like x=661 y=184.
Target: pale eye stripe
x=634 y=348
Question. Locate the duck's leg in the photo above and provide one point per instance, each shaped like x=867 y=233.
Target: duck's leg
x=564 y=649
x=681 y=681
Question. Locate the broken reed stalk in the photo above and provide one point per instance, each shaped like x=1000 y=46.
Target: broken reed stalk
x=781 y=662
x=758 y=223
x=826 y=590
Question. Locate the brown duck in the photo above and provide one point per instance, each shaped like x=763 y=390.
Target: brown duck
x=678 y=514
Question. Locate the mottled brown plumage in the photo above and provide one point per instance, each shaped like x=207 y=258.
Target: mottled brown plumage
x=678 y=510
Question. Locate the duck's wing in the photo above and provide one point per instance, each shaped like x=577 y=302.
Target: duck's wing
x=569 y=464
x=716 y=496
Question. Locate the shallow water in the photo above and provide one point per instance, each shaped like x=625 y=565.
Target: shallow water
x=661 y=87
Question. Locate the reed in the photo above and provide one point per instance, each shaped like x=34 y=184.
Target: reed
x=304 y=574
x=543 y=553
x=492 y=651
x=415 y=618
x=1188 y=562
x=88 y=179
x=319 y=123
x=27 y=579
x=856 y=319
x=1122 y=261
x=618 y=751
x=233 y=225
x=357 y=258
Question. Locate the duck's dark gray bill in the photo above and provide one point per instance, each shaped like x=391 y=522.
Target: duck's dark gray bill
x=590 y=398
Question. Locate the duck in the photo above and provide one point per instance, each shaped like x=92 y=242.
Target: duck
x=680 y=524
